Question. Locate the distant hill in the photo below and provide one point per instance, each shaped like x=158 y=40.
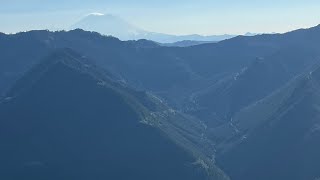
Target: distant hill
x=66 y=119
x=185 y=43
x=111 y=25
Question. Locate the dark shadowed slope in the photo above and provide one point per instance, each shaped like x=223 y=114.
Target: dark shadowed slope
x=296 y=51
x=279 y=136
x=256 y=81
x=65 y=119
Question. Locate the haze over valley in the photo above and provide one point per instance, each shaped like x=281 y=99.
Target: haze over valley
x=104 y=98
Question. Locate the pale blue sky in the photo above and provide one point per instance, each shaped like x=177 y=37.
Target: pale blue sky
x=166 y=16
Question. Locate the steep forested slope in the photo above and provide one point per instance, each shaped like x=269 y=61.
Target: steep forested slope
x=66 y=119
x=281 y=134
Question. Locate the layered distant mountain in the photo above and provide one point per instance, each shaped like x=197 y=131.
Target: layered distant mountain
x=185 y=43
x=247 y=68
x=115 y=26
x=248 y=104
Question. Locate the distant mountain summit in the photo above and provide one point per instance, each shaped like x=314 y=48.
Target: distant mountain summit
x=108 y=24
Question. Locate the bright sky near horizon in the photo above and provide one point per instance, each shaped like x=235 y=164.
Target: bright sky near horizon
x=206 y=17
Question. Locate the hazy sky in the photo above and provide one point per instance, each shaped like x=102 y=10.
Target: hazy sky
x=166 y=16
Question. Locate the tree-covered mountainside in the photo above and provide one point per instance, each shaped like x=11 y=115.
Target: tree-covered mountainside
x=248 y=103
x=187 y=78
x=279 y=136
x=66 y=119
